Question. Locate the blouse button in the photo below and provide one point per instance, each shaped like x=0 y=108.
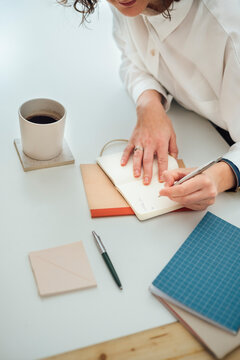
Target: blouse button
x=152 y=52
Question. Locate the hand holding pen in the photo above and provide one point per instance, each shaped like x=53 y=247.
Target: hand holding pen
x=198 y=189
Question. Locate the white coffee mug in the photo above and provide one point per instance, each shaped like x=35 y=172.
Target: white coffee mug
x=42 y=123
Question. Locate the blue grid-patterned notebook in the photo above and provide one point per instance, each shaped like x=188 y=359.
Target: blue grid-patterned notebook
x=204 y=274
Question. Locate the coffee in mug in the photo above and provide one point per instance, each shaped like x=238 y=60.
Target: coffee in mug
x=41 y=119
x=42 y=123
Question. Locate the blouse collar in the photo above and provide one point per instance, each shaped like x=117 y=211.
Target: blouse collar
x=165 y=26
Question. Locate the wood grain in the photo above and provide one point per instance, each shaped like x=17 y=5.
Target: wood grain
x=170 y=342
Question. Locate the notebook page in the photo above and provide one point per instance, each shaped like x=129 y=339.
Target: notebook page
x=144 y=200
x=124 y=174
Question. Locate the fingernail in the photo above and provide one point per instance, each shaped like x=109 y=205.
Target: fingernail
x=122 y=162
x=136 y=173
x=146 y=180
x=161 y=179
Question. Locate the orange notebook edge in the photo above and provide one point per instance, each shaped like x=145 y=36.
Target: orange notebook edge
x=111 y=212
x=121 y=212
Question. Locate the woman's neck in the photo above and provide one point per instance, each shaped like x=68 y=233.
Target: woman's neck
x=159 y=5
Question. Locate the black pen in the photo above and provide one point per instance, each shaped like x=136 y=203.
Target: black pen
x=106 y=258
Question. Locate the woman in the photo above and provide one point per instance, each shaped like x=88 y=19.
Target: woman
x=188 y=50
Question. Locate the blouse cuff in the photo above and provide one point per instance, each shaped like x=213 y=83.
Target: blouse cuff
x=152 y=85
x=235 y=171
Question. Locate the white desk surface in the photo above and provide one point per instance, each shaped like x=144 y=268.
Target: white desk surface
x=44 y=53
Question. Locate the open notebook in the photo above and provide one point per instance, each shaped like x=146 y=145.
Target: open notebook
x=143 y=199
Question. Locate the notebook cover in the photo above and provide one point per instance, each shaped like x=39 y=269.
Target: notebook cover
x=218 y=341
x=204 y=274
x=102 y=196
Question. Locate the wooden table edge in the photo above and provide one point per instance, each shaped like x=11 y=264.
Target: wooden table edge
x=166 y=342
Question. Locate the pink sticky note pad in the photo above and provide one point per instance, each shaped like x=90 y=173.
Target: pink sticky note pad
x=62 y=269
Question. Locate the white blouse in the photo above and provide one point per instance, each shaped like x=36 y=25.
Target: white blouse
x=194 y=58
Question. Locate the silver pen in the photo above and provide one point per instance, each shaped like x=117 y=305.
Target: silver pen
x=197 y=171
x=106 y=259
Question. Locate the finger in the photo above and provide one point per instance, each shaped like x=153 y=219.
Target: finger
x=188 y=187
x=137 y=162
x=162 y=156
x=193 y=191
x=197 y=200
x=148 y=157
x=178 y=192
x=126 y=154
x=173 y=149
x=201 y=205
x=170 y=176
x=197 y=197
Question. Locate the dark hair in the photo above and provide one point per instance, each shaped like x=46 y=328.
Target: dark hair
x=167 y=8
x=87 y=7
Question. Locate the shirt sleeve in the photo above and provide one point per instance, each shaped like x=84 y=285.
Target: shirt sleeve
x=235 y=171
x=133 y=72
x=230 y=100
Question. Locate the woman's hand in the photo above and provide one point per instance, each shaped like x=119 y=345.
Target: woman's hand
x=200 y=191
x=152 y=135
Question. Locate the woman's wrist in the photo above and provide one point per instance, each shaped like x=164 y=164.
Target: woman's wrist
x=223 y=176
x=149 y=97
x=149 y=108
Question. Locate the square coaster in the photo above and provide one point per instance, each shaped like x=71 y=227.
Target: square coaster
x=62 y=269
x=29 y=164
